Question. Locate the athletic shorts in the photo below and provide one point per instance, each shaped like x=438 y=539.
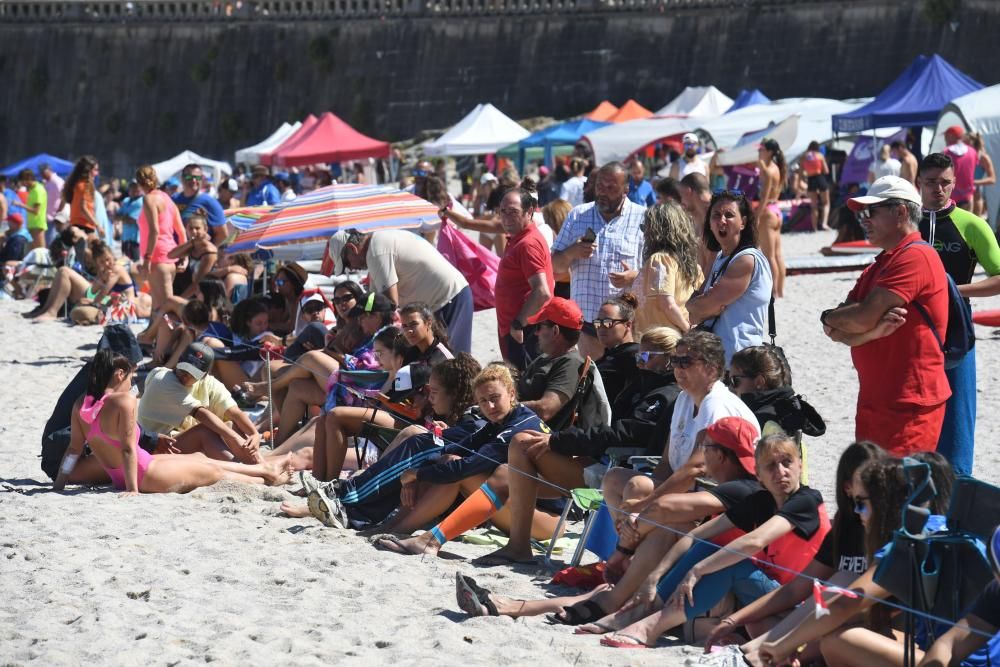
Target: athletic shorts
x=819 y=183
x=900 y=429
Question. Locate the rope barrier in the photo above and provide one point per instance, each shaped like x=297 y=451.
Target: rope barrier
x=272 y=353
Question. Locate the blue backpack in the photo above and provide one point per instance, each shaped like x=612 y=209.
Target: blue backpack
x=960 y=335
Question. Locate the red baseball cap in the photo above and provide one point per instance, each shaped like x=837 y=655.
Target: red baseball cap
x=738 y=436
x=563 y=312
x=956 y=130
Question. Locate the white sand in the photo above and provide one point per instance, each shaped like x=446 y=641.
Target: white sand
x=88 y=577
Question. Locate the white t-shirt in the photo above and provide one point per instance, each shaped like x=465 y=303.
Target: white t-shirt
x=419 y=271
x=685 y=425
x=572 y=190
x=545 y=230
x=890 y=167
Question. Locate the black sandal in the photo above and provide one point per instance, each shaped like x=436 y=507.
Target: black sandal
x=586 y=611
x=473 y=599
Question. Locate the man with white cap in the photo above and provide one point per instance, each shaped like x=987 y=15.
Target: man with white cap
x=689 y=162
x=409 y=270
x=903 y=387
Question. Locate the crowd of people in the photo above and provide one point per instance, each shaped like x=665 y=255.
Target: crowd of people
x=629 y=315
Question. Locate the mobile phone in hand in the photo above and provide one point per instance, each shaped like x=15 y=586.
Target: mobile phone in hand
x=589 y=236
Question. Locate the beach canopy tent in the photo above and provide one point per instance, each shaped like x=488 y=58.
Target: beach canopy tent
x=915 y=99
x=977 y=112
x=484 y=130
x=174 y=165
x=292 y=140
x=58 y=165
x=619 y=141
x=748 y=98
x=706 y=101
x=329 y=140
x=251 y=154
x=560 y=134
x=631 y=110
x=602 y=112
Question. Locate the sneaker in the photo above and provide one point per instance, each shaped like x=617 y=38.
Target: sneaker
x=327 y=508
x=309 y=483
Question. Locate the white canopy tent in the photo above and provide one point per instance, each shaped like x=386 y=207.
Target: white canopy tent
x=251 y=155
x=617 y=142
x=703 y=101
x=484 y=130
x=978 y=112
x=745 y=151
x=173 y=166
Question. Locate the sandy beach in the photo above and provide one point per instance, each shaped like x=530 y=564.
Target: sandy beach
x=216 y=576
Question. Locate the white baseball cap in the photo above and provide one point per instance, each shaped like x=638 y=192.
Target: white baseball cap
x=690 y=138
x=336 y=247
x=486 y=178
x=885 y=188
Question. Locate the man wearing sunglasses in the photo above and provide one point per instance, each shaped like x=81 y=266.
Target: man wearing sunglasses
x=192 y=199
x=962 y=240
x=903 y=387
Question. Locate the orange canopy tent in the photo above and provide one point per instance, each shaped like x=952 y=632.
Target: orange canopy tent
x=631 y=110
x=602 y=112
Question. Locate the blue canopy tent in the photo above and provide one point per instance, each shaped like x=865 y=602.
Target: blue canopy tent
x=913 y=100
x=560 y=134
x=60 y=166
x=748 y=98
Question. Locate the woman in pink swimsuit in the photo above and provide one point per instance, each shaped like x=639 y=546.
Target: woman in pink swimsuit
x=160 y=231
x=105 y=418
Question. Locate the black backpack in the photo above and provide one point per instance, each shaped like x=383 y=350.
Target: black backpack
x=960 y=334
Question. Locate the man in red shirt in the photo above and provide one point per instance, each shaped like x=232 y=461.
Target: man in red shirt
x=524 y=277
x=901 y=402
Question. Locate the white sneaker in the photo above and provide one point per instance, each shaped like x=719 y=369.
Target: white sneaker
x=326 y=506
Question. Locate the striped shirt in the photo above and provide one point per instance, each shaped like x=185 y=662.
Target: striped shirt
x=618 y=241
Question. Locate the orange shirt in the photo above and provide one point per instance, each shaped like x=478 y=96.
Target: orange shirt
x=83 y=200
x=812 y=163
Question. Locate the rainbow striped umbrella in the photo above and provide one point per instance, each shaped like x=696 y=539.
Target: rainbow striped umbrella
x=318 y=215
x=245 y=217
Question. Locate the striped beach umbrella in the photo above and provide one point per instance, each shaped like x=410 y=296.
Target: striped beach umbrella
x=318 y=215
x=245 y=217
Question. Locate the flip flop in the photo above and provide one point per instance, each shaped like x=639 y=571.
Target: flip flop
x=473 y=599
x=382 y=542
x=493 y=560
x=617 y=643
x=585 y=611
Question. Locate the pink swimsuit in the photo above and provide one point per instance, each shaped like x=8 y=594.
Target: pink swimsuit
x=90 y=413
x=168 y=223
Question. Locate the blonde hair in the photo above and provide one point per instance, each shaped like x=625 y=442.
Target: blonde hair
x=883 y=152
x=146 y=177
x=776 y=443
x=664 y=338
x=497 y=372
x=554 y=213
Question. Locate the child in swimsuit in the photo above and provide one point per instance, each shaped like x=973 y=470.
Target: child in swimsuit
x=199 y=250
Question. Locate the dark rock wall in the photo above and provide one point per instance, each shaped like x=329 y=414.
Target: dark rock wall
x=140 y=92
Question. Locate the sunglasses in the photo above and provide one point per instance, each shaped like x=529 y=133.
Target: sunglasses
x=735 y=379
x=606 y=322
x=280 y=282
x=192 y=177
x=859 y=504
x=643 y=357
x=347 y=298
x=420 y=173
x=866 y=213
x=684 y=361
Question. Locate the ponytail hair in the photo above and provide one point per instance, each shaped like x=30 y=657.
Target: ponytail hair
x=102 y=367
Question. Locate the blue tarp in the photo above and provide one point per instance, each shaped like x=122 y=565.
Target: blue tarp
x=913 y=100
x=60 y=166
x=561 y=134
x=748 y=98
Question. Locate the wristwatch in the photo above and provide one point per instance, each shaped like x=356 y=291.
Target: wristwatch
x=516 y=325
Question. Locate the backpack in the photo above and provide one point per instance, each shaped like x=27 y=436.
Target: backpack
x=960 y=335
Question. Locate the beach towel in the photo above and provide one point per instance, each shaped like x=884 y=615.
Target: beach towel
x=478 y=264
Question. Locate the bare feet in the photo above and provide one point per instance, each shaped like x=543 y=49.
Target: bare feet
x=638 y=633
x=423 y=544
x=618 y=620
x=294 y=511
x=278 y=473
x=43 y=317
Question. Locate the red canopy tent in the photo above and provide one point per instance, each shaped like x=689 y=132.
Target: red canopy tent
x=294 y=140
x=328 y=140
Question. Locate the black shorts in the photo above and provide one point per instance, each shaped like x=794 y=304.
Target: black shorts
x=819 y=183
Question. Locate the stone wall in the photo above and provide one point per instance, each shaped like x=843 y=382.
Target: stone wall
x=134 y=91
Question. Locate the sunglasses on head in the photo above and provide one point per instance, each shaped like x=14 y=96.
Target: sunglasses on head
x=682 y=361
x=643 y=357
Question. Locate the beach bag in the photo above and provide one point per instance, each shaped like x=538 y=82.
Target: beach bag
x=478 y=264
x=960 y=334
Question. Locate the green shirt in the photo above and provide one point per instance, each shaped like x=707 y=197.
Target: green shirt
x=37 y=196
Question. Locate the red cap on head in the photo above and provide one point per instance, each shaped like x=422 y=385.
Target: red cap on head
x=563 y=312
x=738 y=436
x=956 y=130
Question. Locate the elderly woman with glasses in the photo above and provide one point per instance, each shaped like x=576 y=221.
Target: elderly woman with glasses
x=698 y=367
x=733 y=301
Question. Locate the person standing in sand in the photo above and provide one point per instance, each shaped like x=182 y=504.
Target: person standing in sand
x=907 y=161
x=772 y=174
x=105 y=418
x=901 y=400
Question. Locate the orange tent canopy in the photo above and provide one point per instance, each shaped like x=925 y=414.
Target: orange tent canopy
x=631 y=110
x=602 y=112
